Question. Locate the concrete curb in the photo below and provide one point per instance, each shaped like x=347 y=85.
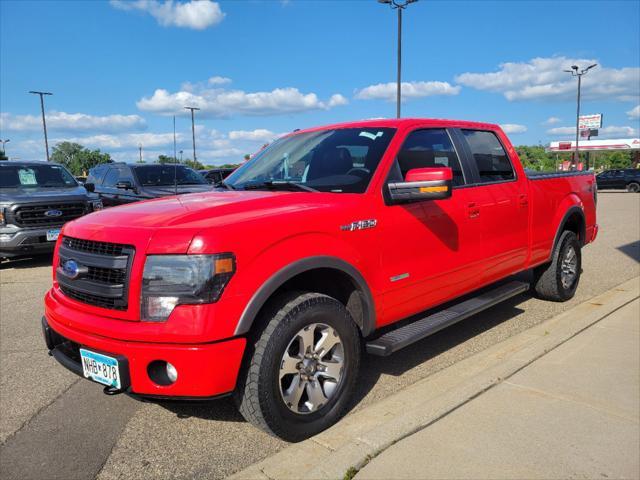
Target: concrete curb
x=359 y=437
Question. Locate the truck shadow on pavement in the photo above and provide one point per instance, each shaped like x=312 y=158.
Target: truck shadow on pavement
x=632 y=250
x=372 y=367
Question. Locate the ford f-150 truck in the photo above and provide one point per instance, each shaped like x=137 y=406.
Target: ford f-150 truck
x=333 y=240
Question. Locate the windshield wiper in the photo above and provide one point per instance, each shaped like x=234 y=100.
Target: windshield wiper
x=275 y=184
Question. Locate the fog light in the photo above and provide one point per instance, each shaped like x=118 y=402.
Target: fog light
x=172 y=373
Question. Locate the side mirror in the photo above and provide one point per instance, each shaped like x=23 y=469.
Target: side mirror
x=422 y=184
x=90 y=187
x=125 y=185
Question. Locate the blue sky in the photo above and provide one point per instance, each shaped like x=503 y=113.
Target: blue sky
x=120 y=70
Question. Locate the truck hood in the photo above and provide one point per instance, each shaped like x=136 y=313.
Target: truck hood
x=10 y=196
x=200 y=210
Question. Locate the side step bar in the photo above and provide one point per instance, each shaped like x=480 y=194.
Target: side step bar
x=396 y=339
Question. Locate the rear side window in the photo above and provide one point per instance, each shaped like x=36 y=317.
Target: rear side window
x=429 y=149
x=492 y=161
x=112 y=178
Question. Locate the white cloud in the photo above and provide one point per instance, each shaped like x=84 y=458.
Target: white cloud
x=513 y=128
x=217 y=80
x=72 y=122
x=257 y=135
x=195 y=14
x=634 y=113
x=544 y=78
x=605 y=132
x=128 y=140
x=387 y=91
x=551 y=121
x=221 y=102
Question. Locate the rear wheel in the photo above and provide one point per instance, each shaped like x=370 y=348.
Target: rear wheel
x=303 y=368
x=633 y=187
x=558 y=280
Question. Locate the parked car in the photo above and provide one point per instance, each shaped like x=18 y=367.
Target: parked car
x=331 y=238
x=217 y=175
x=120 y=183
x=36 y=199
x=620 y=179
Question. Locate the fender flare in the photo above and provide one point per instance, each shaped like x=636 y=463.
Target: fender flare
x=262 y=295
x=572 y=210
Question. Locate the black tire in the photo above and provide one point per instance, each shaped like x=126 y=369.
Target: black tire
x=259 y=396
x=633 y=187
x=547 y=282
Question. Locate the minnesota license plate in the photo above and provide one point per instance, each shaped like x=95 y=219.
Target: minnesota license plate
x=101 y=368
x=52 y=235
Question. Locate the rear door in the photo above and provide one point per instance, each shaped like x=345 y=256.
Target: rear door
x=502 y=190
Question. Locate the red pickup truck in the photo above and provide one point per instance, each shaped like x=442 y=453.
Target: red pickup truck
x=368 y=235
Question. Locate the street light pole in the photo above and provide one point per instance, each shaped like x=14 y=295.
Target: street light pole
x=4 y=146
x=140 y=150
x=577 y=72
x=193 y=130
x=44 y=122
x=395 y=5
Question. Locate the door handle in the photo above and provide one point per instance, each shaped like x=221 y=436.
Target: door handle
x=523 y=200
x=474 y=210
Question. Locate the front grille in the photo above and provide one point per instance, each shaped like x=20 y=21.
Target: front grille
x=97 y=300
x=35 y=215
x=107 y=275
x=89 y=246
x=105 y=280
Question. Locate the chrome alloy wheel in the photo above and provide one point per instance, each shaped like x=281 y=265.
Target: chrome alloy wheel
x=569 y=268
x=311 y=368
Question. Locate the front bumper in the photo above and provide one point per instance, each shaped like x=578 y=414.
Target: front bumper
x=25 y=241
x=204 y=370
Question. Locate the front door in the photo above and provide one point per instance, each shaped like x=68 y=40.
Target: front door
x=431 y=250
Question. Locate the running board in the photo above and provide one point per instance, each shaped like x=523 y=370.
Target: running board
x=396 y=339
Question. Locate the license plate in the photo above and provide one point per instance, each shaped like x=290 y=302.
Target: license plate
x=52 y=235
x=101 y=368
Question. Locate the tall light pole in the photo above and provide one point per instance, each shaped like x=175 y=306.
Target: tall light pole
x=193 y=130
x=399 y=7
x=44 y=122
x=181 y=156
x=4 y=147
x=140 y=150
x=578 y=72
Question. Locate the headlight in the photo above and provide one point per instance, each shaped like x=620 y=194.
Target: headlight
x=96 y=205
x=171 y=280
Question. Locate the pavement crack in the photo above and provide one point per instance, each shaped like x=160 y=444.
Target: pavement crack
x=38 y=412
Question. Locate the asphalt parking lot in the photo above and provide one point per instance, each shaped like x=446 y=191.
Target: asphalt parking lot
x=56 y=425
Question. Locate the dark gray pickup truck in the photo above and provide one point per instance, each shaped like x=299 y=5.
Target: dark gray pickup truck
x=36 y=199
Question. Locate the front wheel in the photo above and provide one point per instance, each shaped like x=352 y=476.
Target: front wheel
x=303 y=369
x=558 y=280
x=633 y=187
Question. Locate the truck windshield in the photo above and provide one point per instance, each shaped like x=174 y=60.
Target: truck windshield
x=35 y=176
x=338 y=160
x=163 y=175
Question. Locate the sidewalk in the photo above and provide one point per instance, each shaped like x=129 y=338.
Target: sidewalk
x=572 y=413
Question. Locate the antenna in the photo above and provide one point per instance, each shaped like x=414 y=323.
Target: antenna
x=175 y=159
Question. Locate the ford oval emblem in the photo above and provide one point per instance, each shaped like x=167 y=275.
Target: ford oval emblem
x=71 y=269
x=53 y=213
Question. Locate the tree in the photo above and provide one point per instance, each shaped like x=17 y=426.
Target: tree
x=162 y=159
x=3 y=156
x=77 y=158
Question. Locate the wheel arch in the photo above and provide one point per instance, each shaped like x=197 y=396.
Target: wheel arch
x=361 y=306
x=573 y=220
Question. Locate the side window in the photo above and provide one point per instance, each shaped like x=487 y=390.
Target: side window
x=430 y=148
x=111 y=179
x=492 y=161
x=96 y=175
x=124 y=175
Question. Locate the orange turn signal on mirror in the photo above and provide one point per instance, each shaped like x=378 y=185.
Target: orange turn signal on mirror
x=442 y=188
